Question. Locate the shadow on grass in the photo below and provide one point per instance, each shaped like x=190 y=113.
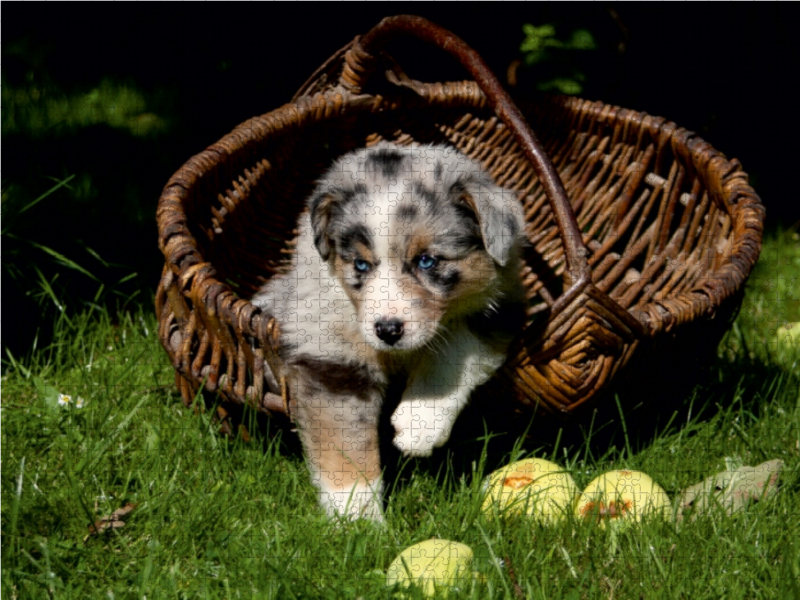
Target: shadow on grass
x=616 y=426
x=597 y=433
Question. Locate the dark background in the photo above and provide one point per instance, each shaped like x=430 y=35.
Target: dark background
x=727 y=72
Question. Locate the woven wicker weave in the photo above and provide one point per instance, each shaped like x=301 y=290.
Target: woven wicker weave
x=651 y=236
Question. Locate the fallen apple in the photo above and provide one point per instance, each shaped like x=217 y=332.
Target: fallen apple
x=533 y=486
x=621 y=495
x=431 y=564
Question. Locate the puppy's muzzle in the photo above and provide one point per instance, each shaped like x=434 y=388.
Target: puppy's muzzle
x=389 y=331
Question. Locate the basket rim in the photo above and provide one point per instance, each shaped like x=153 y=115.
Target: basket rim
x=739 y=200
x=196 y=277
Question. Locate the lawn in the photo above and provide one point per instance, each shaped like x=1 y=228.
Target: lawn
x=218 y=517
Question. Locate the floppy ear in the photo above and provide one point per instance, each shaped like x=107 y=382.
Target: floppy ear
x=498 y=211
x=320 y=205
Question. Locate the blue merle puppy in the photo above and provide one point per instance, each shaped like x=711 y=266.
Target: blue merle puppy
x=407 y=262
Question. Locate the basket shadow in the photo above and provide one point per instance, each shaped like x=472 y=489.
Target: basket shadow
x=644 y=405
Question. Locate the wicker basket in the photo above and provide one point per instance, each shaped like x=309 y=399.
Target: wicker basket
x=642 y=251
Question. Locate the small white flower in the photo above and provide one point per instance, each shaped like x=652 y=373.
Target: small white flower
x=66 y=400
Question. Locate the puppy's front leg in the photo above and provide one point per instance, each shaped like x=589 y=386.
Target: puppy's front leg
x=338 y=408
x=439 y=389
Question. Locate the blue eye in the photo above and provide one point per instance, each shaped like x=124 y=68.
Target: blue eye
x=361 y=265
x=426 y=261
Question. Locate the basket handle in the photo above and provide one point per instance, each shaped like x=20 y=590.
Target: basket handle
x=360 y=63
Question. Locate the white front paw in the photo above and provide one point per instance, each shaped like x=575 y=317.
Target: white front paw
x=418 y=433
x=362 y=501
x=414 y=442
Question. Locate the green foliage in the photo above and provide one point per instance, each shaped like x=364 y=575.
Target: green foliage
x=39 y=109
x=541 y=47
x=538 y=39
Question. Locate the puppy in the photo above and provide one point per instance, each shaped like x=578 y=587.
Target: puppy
x=406 y=265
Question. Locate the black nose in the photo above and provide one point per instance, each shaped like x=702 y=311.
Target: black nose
x=389 y=331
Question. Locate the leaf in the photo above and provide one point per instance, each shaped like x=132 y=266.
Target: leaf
x=153 y=440
x=581 y=39
x=112 y=521
x=546 y=30
x=535 y=56
x=48 y=393
x=730 y=490
x=537 y=38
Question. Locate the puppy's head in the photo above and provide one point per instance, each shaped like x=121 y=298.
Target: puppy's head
x=417 y=237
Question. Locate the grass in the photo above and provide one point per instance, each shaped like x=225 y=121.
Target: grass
x=223 y=518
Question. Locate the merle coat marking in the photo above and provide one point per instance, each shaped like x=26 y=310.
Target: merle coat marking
x=405 y=261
